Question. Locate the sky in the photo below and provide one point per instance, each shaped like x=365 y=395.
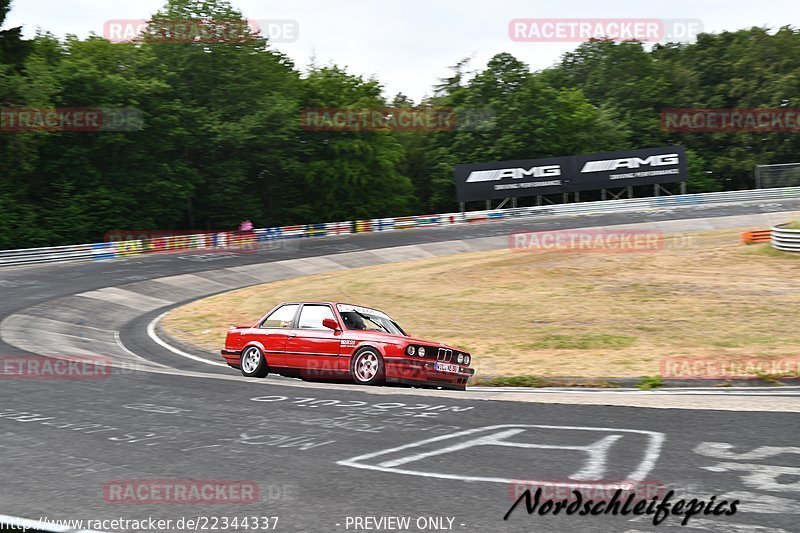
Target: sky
x=408 y=45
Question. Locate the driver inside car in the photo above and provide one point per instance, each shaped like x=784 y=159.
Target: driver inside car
x=354 y=321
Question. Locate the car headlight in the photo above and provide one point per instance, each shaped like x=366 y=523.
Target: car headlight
x=421 y=351
x=466 y=359
x=410 y=350
x=460 y=358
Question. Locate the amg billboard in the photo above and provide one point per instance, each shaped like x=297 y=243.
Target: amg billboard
x=528 y=177
x=533 y=177
x=649 y=166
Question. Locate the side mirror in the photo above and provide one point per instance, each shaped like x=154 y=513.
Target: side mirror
x=330 y=324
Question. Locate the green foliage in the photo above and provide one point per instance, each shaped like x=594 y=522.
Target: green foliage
x=517 y=381
x=767 y=250
x=221 y=139
x=537 y=381
x=650 y=382
x=13 y=49
x=775 y=378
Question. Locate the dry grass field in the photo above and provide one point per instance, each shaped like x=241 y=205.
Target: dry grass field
x=559 y=313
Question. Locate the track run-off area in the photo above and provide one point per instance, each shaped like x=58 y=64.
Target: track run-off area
x=321 y=455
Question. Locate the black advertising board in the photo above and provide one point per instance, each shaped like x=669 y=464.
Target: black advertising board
x=649 y=166
x=503 y=179
x=555 y=175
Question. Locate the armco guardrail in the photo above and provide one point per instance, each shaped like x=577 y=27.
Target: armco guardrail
x=752 y=237
x=255 y=238
x=785 y=239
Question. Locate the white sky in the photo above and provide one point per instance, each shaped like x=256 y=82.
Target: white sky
x=408 y=45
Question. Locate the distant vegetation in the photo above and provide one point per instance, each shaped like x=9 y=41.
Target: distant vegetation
x=222 y=140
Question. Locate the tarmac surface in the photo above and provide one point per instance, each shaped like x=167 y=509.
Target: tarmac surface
x=327 y=457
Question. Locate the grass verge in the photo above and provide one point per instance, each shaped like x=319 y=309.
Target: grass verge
x=553 y=314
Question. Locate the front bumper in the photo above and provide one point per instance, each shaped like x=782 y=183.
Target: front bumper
x=422 y=372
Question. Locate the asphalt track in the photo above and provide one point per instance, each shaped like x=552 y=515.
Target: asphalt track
x=323 y=454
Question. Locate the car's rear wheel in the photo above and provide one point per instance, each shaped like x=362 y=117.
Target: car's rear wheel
x=253 y=363
x=367 y=367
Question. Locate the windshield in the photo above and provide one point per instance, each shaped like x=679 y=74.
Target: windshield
x=363 y=318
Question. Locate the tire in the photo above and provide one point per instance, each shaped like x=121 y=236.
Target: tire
x=253 y=363
x=367 y=367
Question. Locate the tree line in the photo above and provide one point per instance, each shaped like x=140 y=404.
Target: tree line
x=222 y=140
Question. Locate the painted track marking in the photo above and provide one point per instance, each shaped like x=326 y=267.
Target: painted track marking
x=652 y=452
x=151 y=332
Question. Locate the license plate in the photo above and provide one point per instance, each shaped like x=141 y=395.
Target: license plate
x=445 y=367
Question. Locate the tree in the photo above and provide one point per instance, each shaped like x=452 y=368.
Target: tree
x=353 y=173
x=220 y=138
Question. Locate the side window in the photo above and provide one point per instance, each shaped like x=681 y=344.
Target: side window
x=312 y=315
x=281 y=317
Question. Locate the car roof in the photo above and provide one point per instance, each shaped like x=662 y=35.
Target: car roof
x=334 y=304
x=309 y=302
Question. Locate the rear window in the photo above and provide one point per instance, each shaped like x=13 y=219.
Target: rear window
x=281 y=317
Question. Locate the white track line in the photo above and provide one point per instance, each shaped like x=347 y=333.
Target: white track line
x=727 y=391
x=151 y=332
x=125 y=349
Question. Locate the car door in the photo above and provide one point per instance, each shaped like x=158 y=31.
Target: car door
x=273 y=332
x=312 y=348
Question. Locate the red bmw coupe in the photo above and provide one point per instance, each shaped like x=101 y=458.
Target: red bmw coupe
x=329 y=340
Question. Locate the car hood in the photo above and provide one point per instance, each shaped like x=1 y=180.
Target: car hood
x=401 y=339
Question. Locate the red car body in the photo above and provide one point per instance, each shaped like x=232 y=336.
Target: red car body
x=329 y=340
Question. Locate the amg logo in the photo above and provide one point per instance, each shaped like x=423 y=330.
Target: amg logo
x=630 y=162
x=516 y=173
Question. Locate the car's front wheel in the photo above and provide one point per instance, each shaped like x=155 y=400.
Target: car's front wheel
x=367 y=367
x=253 y=363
